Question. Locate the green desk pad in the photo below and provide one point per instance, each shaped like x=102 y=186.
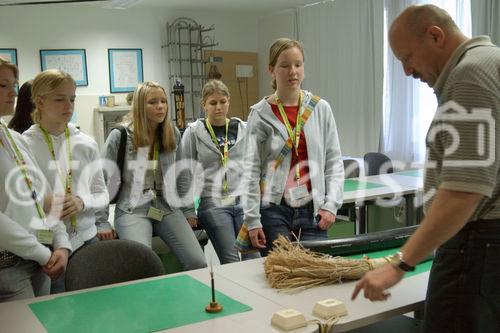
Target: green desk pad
x=353 y=185
x=424 y=266
x=141 y=307
x=412 y=173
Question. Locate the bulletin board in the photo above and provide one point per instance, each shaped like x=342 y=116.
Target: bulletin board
x=71 y=61
x=125 y=69
x=239 y=72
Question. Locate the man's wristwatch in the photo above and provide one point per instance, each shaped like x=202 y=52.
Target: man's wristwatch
x=397 y=261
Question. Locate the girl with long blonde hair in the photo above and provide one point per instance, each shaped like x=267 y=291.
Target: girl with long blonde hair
x=147 y=202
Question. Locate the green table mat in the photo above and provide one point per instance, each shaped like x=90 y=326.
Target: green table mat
x=354 y=185
x=141 y=307
x=420 y=268
x=412 y=173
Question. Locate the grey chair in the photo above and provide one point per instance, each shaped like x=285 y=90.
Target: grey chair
x=351 y=168
x=377 y=163
x=112 y=261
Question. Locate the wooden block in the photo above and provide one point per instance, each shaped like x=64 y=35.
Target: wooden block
x=329 y=308
x=288 y=319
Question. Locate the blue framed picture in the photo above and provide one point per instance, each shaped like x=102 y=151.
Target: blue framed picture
x=125 y=69
x=9 y=54
x=71 y=61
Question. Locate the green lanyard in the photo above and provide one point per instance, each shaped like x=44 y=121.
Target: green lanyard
x=21 y=163
x=155 y=161
x=68 y=180
x=224 y=156
x=155 y=167
x=294 y=134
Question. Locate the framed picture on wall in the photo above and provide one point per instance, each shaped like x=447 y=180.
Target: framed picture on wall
x=9 y=54
x=71 y=61
x=125 y=69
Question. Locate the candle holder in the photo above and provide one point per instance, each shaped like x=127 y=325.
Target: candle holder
x=213 y=306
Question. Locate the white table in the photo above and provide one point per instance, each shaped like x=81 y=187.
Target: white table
x=17 y=317
x=246 y=283
x=407 y=296
x=394 y=185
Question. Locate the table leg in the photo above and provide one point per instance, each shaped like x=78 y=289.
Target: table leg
x=361 y=220
x=410 y=209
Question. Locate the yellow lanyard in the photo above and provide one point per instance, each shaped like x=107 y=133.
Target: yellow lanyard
x=155 y=161
x=155 y=167
x=224 y=156
x=294 y=134
x=68 y=180
x=21 y=163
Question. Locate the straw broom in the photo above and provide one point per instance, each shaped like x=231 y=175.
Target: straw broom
x=293 y=268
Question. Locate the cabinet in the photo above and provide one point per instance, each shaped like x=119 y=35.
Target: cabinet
x=186 y=40
x=105 y=118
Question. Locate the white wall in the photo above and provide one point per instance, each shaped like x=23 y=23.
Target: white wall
x=95 y=29
x=271 y=27
x=357 y=109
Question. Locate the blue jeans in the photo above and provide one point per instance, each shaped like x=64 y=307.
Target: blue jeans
x=222 y=224
x=463 y=294
x=57 y=286
x=25 y=279
x=173 y=229
x=284 y=220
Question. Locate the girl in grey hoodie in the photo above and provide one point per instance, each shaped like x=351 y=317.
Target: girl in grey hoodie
x=213 y=148
x=294 y=172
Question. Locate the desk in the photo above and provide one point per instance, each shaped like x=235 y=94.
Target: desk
x=411 y=178
x=246 y=283
x=406 y=184
x=16 y=317
x=407 y=296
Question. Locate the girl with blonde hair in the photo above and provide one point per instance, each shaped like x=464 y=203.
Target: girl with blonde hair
x=70 y=161
x=147 y=200
x=215 y=143
x=294 y=170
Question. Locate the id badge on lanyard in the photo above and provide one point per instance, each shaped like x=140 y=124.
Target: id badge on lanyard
x=45 y=236
x=298 y=195
x=228 y=200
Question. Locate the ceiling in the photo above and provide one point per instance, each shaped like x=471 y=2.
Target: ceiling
x=198 y=5
x=227 y=5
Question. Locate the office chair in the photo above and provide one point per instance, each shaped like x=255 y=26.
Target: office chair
x=111 y=261
x=377 y=163
x=351 y=168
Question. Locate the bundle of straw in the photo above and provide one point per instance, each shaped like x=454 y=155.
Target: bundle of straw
x=293 y=268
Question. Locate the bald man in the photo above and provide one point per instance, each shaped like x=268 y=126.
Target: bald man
x=462 y=185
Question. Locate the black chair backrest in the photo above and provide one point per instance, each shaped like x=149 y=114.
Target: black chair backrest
x=377 y=163
x=351 y=168
x=111 y=261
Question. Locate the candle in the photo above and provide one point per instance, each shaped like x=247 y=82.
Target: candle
x=212 y=280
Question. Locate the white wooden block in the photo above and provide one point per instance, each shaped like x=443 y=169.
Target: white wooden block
x=288 y=319
x=329 y=308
